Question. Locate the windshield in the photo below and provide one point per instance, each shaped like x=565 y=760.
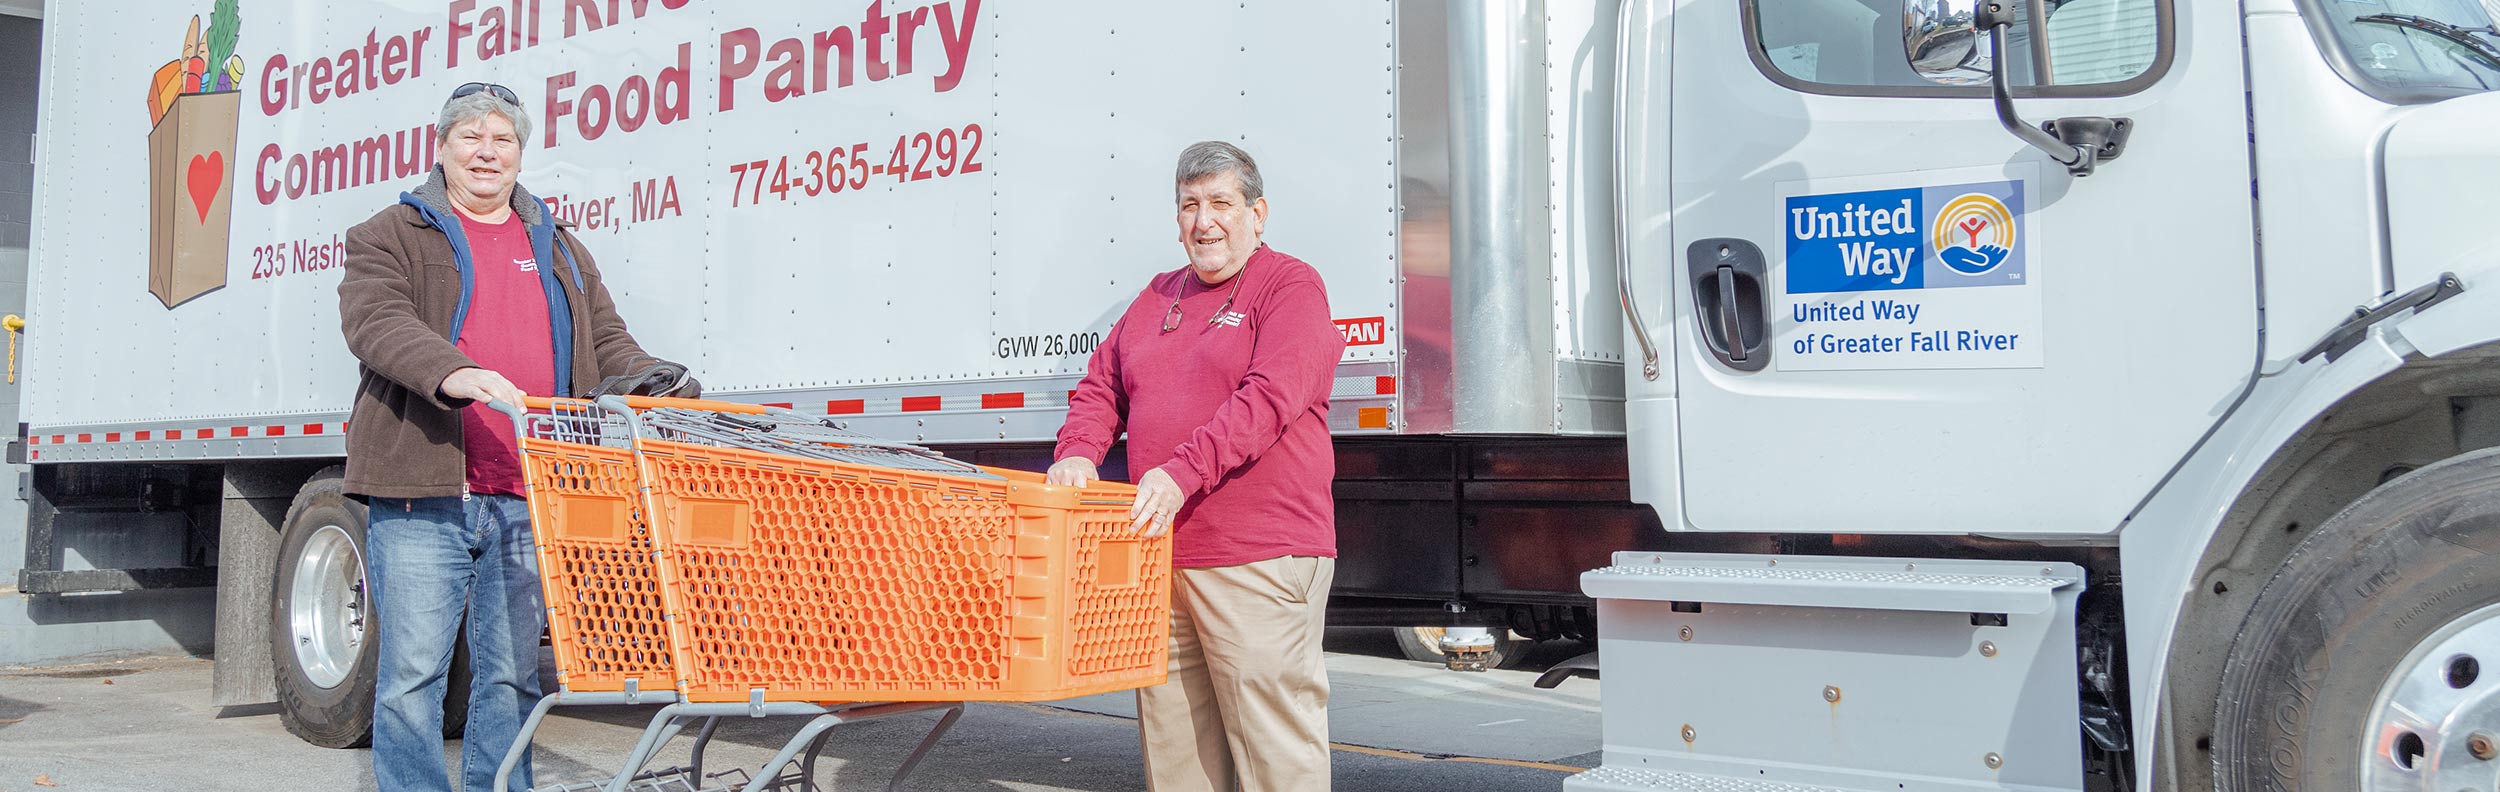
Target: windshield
x=2414 y=50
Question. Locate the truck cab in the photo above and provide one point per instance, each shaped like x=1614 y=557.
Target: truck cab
x=2081 y=288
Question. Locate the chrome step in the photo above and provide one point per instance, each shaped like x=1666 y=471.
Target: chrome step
x=1737 y=673
x=1618 y=779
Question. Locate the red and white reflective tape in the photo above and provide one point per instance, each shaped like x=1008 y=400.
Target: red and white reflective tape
x=1359 y=387
x=1363 y=387
x=230 y=432
x=935 y=403
x=1341 y=388
x=1345 y=389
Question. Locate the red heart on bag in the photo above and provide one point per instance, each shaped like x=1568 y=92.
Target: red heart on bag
x=207 y=175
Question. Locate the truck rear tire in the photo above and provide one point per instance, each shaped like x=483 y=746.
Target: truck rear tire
x=2360 y=665
x=322 y=630
x=1423 y=645
x=320 y=620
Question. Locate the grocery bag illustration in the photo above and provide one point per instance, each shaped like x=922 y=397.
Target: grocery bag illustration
x=194 y=105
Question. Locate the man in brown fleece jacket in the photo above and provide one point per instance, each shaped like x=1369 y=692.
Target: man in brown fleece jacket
x=467 y=290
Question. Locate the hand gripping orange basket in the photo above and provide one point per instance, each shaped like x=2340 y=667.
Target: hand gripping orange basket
x=793 y=561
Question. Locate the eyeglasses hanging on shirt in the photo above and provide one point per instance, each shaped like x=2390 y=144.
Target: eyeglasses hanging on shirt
x=1172 y=318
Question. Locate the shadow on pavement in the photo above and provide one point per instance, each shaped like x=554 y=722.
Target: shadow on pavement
x=992 y=742
x=14 y=712
x=247 y=711
x=1021 y=746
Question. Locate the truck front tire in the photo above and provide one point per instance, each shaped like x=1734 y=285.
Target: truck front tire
x=2363 y=659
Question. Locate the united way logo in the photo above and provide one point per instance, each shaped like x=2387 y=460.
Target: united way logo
x=1974 y=233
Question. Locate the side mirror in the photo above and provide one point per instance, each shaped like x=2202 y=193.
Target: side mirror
x=1941 y=40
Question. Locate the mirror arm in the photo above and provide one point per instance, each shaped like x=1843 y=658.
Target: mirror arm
x=2079 y=160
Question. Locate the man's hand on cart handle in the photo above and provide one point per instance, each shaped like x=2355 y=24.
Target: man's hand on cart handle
x=1159 y=499
x=1075 y=471
x=477 y=384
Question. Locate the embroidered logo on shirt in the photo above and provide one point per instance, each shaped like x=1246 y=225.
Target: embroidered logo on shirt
x=527 y=264
x=1231 y=318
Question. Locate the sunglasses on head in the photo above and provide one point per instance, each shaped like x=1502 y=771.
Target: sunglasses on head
x=497 y=91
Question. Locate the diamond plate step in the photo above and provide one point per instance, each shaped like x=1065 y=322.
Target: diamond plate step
x=1800 y=581
x=1622 y=779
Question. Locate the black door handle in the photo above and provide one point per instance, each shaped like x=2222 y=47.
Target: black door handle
x=1729 y=290
x=1730 y=317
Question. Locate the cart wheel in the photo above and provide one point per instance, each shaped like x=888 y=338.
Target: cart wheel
x=1423 y=645
x=320 y=620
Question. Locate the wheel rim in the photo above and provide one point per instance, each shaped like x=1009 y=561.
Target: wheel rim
x=326 y=609
x=2436 y=723
x=1431 y=636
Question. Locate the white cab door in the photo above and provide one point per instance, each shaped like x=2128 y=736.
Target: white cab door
x=1954 y=334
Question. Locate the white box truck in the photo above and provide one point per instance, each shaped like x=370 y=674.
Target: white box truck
x=1920 y=394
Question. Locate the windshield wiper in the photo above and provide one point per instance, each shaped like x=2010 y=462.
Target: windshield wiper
x=2462 y=37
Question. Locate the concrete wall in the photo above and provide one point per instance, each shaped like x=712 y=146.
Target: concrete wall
x=69 y=628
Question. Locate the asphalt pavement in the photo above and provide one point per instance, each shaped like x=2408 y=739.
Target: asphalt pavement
x=1398 y=726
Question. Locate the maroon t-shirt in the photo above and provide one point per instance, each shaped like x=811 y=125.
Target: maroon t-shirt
x=1236 y=410
x=506 y=332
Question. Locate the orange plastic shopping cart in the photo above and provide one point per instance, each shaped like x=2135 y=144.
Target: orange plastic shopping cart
x=722 y=559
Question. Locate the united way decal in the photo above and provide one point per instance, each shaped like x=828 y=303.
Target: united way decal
x=1946 y=236
x=1880 y=274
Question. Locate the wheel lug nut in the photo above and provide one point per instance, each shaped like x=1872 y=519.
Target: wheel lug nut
x=2483 y=746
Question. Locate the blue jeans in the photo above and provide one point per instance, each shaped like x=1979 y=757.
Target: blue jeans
x=427 y=560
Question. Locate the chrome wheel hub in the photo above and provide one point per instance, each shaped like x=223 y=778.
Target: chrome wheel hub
x=326 y=607
x=2435 y=726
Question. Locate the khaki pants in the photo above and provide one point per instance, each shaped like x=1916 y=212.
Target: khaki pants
x=1246 y=703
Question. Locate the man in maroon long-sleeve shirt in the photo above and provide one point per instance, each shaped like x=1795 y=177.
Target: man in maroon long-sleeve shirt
x=1220 y=373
